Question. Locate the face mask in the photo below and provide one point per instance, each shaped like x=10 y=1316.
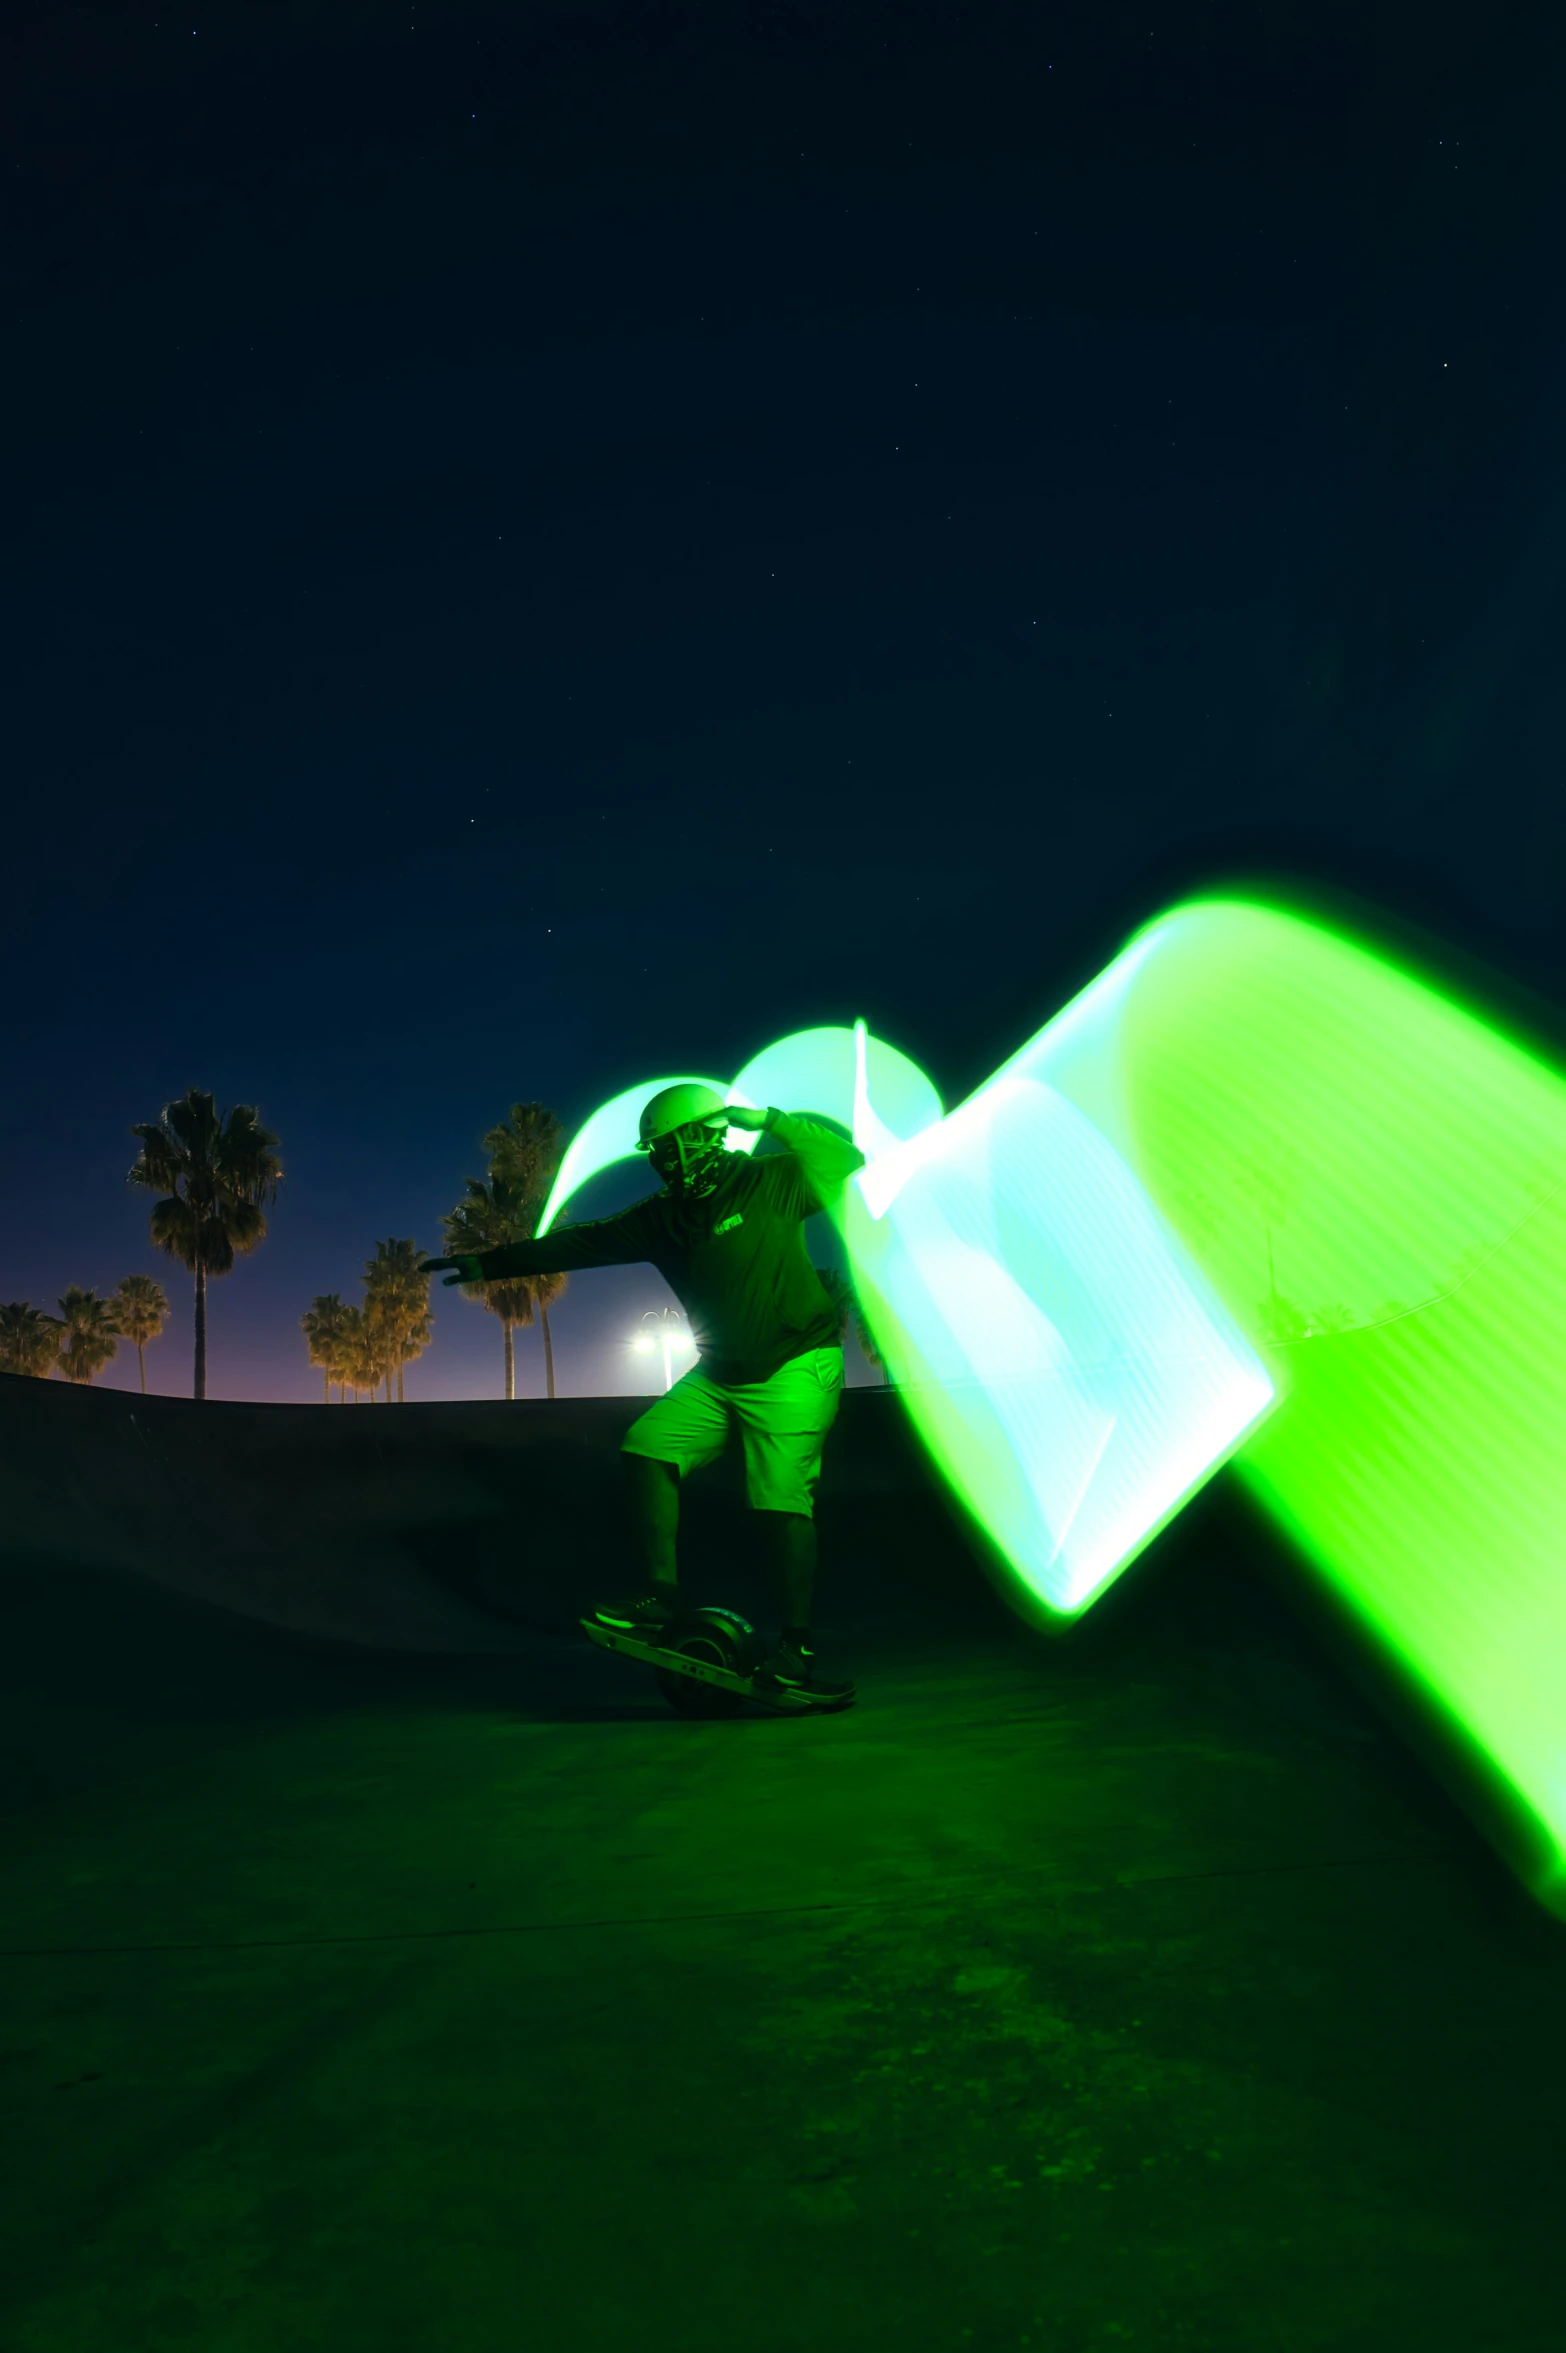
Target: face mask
x=690 y=1159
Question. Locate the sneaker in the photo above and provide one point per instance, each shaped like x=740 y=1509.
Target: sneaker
x=789 y=1667
x=645 y=1613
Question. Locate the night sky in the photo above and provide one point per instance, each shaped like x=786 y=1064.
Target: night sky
x=549 y=544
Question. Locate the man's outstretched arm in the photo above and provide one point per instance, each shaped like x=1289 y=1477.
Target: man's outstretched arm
x=605 y=1241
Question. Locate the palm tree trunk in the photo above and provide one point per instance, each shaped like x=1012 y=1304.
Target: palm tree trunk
x=401 y=1400
x=511 y=1359
x=326 y=1388
x=549 y=1353
x=201 y=1325
x=142 y=1361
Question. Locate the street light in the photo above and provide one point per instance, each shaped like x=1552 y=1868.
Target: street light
x=672 y=1333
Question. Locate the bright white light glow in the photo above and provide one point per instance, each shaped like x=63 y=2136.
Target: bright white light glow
x=1062 y=1358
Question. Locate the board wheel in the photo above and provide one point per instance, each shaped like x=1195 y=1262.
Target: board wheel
x=721 y=1638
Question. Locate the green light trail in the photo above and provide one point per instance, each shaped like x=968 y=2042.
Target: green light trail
x=1403 y=1162
x=1061 y=1356
x=1257 y=1192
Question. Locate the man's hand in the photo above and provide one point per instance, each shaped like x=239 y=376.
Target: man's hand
x=468 y=1269
x=741 y=1116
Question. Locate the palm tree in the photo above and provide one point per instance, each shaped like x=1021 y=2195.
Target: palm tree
x=486 y=1216
x=397 y=1303
x=324 y=1323
x=350 y=1350
x=546 y=1289
x=214 y=1173
x=140 y=1312
x=29 y=1340
x=363 y=1360
x=525 y=1150
x=91 y=1335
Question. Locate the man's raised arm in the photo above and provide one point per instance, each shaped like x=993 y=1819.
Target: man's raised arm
x=827 y=1158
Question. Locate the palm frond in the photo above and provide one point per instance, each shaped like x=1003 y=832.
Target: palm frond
x=524 y=1152
x=29 y=1340
x=479 y=1221
x=159 y=1163
x=244 y=1228
x=91 y=1335
x=326 y=1323
x=397 y=1298
x=192 y=1124
x=245 y=1157
x=174 y=1229
x=512 y=1301
x=217 y=1251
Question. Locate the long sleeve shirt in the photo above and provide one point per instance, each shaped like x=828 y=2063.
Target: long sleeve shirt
x=735 y=1258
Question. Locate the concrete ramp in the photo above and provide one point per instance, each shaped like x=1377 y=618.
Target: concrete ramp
x=449 y=1529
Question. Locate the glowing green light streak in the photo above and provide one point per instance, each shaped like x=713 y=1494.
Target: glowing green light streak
x=1255 y=1187
x=1058 y=1351
x=815 y=1069
x=610 y=1136
x=1402 y=1162
x=1060 y=1355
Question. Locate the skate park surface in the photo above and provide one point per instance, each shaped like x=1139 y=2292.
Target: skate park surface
x=387 y=1968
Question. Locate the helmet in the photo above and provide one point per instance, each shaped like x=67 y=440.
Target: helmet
x=675 y=1107
x=683 y=1129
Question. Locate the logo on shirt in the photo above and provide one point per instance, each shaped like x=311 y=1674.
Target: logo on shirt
x=728 y=1224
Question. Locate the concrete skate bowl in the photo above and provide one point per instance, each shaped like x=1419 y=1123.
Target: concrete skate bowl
x=448 y=1529
x=175 y=1576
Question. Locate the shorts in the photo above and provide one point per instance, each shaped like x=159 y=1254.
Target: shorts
x=782 y=1423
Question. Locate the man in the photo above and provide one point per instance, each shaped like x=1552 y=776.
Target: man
x=726 y=1235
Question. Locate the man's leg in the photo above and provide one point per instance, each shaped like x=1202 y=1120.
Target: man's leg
x=794 y=1536
x=654 y=1489
x=785 y=1421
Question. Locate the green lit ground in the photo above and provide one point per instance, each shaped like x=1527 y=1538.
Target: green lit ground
x=1137 y=1991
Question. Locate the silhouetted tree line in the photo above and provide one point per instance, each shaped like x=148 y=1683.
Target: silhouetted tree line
x=214 y=1174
